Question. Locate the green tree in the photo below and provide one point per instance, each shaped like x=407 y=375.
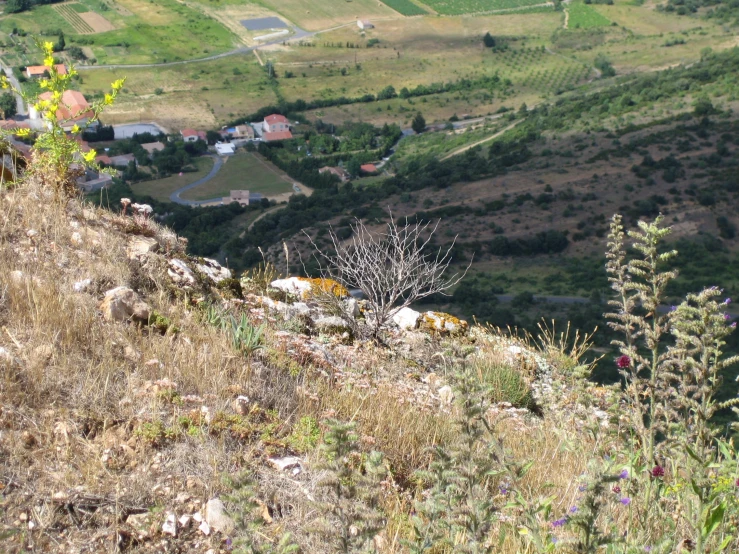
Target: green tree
x=16 y=6
x=60 y=43
x=419 y=123
x=212 y=137
x=488 y=40
x=354 y=167
x=8 y=105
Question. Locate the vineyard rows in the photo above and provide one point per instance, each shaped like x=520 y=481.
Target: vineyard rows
x=405 y=7
x=74 y=19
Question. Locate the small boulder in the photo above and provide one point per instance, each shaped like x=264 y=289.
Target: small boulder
x=82 y=286
x=446 y=395
x=140 y=246
x=214 y=270
x=331 y=325
x=406 y=318
x=123 y=304
x=446 y=324
x=303 y=287
x=217 y=518
x=181 y=273
x=292 y=285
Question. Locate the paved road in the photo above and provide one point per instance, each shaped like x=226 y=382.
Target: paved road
x=20 y=106
x=175 y=196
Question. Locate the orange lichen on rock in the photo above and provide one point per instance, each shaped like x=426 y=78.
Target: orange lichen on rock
x=320 y=284
x=440 y=322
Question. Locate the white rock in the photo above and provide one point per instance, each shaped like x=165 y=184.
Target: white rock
x=292 y=285
x=352 y=306
x=82 y=286
x=17 y=276
x=217 y=518
x=122 y=303
x=76 y=238
x=181 y=273
x=197 y=516
x=214 y=270
x=515 y=350
x=170 y=525
x=406 y=318
x=446 y=395
x=288 y=462
x=204 y=528
x=184 y=520
x=5 y=356
x=331 y=324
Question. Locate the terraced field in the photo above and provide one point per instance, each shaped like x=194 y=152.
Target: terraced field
x=71 y=13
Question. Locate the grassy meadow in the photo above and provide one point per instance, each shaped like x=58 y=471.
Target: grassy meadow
x=160 y=189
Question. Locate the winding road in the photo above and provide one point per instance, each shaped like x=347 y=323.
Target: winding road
x=20 y=106
x=175 y=196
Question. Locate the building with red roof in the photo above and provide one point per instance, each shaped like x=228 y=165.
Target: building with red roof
x=277 y=135
x=191 y=135
x=276 y=123
x=38 y=71
x=73 y=110
x=368 y=168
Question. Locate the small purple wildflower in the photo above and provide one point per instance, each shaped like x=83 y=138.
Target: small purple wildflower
x=623 y=361
x=658 y=471
x=624 y=474
x=647 y=549
x=727 y=301
x=582 y=488
x=625 y=501
x=559 y=522
x=673 y=308
x=733 y=325
x=616 y=489
x=573 y=509
x=554 y=540
x=503 y=490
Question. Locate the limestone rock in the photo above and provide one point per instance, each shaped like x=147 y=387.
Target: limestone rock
x=82 y=286
x=440 y=322
x=141 y=246
x=446 y=395
x=181 y=273
x=214 y=270
x=217 y=518
x=303 y=286
x=406 y=318
x=331 y=324
x=122 y=304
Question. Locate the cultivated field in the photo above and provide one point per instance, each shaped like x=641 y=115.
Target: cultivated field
x=584 y=16
x=162 y=188
x=243 y=171
x=459 y=7
x=405 y=7
x=317 y=15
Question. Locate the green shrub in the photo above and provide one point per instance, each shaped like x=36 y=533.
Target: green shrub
x=506 y=384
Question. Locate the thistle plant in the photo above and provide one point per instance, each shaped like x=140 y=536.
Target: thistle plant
x=55 y=150
x=459 y=510
x=352 y=515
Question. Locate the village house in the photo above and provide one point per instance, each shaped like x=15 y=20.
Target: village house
x=364 y=24
x=152 y=147
x=73 y=110
x=275 y=122
x=242 y=132
x=243 y=197
x=39 y=71
x=225 y=148
x=122 y=160
x=368 y=168
x=340 y=172
x=191 y=135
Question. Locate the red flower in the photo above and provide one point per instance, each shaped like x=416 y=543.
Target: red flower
x=658 y=471
x=623 y=361
x=617 y=489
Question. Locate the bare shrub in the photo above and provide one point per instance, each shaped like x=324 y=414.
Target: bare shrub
x=393 y=268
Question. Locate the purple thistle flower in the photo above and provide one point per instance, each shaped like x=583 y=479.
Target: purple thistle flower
x=727 y=316
x=559 y=522
x=623 y=361
x=616 y=489
x=727 y=301
x=624 y=474
x=658 y=471
x=625 y=501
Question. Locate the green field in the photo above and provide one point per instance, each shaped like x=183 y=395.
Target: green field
x=162 y=188
x=243 y=171
x=406 y=7
x=459 y=7
x=584 y=16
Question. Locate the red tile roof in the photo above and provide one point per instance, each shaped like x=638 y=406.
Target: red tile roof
x=275 y=118
x=33 y=70
x=368 y=168
x=73 y=106
x=278 y=135
x=103 y=159
x=189 y=133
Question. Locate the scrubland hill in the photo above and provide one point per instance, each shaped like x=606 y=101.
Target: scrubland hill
x=153 y=402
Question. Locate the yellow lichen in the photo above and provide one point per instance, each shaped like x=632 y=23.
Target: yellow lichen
x=319 y=285
x=441 y=322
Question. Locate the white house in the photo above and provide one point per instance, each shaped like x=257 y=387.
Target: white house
x=364 y=24
x=225 y=148
x=191 y=135
x=275 y=123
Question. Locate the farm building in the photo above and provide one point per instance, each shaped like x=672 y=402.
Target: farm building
x=243 y=197
x=275 y=123
x=122 y=161
x=225 y=148
x=74 y=110
x=191 y=135
x=38 y=71
x=340 y=172
x=368 y=168
x=364 y=24
x=152 y=147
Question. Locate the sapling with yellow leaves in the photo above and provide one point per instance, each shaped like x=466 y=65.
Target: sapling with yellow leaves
x=58 y=157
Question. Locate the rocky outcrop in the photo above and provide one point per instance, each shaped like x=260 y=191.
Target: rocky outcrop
x=123 y=304
x=446 y=324
x=303 y=287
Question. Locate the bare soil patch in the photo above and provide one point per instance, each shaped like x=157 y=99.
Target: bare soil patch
x=97 y=22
